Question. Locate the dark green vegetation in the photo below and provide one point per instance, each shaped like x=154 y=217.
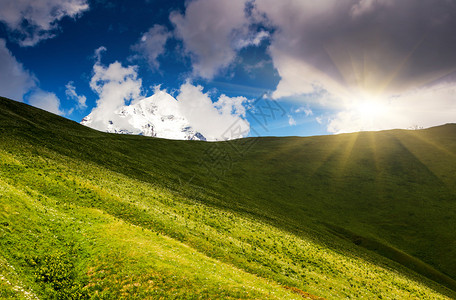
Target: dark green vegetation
x=84 y=214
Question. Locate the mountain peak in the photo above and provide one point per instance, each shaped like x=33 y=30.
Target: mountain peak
x=155 y=116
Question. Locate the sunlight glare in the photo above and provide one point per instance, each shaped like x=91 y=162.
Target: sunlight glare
x=370 y=108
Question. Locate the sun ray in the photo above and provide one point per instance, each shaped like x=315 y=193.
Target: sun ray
x=379 y=183
x=435 y=168
x=351 y=140
x=411 y=150
x=326 y=157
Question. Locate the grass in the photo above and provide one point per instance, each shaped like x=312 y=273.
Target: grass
x=85 y=214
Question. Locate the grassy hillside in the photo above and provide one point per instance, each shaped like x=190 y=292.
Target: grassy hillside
x=84 y=214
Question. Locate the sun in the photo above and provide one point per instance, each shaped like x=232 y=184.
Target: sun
x=370 y=108
x=366 y=112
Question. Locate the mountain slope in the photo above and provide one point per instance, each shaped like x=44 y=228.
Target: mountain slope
x=313 y=214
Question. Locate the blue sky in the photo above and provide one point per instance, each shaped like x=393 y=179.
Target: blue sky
x=328 y=67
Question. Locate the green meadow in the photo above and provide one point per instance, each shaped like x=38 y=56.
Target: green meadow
x=91 y=215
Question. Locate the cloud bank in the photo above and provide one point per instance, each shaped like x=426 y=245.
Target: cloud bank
x=382 y=46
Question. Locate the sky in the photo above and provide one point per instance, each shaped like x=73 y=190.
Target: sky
x=278 y=68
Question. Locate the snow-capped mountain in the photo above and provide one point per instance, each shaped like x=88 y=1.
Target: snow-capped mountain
x=156 y=116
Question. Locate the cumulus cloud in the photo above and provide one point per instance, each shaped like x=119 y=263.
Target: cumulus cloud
x=33 y=21
x=15 y=81
x=152 y=44
x=116 y=86
x=45 y=100
x=221 y=120
x=212 y=31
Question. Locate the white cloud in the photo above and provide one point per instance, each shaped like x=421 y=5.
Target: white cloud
x=116 y=86
x=234 y=105
x=212 y=31
x=71 y=94
x=152 y=44
x=306 y=110
x=15 y=81
x=45 y=100
x=216 y=121
x=98 y=52
x=291 y=120
x=251 y=39
x=424 y=107
x=33 y=21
